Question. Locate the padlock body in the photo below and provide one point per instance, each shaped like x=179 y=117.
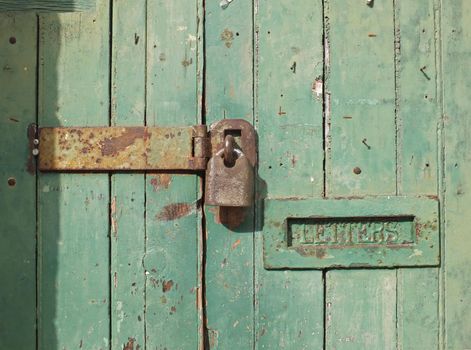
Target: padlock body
x=229 y=186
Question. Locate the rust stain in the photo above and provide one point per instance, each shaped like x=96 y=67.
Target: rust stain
x=130 y=344
x=227 y=36
x=114 y=224
x=281 y=112
x=167 y=286
x=113 y=145
x=173 y=309
x=115 y=280
x=231 y=217
x=186 y=62
x=160 y=181
x=372 y=35
x=174 y=211
x=235 y=244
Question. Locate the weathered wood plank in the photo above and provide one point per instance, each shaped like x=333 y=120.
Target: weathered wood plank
x=289 y=304
x=417 y=119
x=173 y=236
x=47 y=5
x=360 y=98
x=361 y=159
x=361 y=309
x=18 y=35
x=456 y=41
x=417 y=111
x=74 y=271
x=128 y=190
x=229 y=251
x=417 y=308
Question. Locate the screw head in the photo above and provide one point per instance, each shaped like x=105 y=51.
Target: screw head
x=357 y=170
x=35 y=152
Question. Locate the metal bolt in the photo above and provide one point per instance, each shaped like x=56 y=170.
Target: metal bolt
x=357 y=170
x=35 y=152
x=369 y=2
x=36 y=142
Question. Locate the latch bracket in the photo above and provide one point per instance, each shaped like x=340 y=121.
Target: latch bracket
x=136 y=148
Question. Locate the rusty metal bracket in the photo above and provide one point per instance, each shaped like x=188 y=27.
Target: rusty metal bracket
x=123 y=149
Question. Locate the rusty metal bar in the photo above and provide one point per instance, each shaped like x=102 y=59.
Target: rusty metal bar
x=123 y=148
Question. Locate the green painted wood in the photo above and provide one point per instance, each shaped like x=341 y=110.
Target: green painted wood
x=369 y=232
x=361 y=159
x=456 y=278
x=73 y=257
x=18 y=35
x=47 y=5
x=229 y=252
x=127 y=190
x=360 y=98
x=417 y=110
x=289 y=68
x=417 y=120
x=361 y=309
x=173 y=235
x=417 y=302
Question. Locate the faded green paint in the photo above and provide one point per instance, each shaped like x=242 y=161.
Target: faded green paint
x=17 y=185
x=456 y=276
x=121 y=256
x=370 y=232
x=73 y=252
x=127 y=207
x=173 y=255
x=229 y=252
x=47 y=5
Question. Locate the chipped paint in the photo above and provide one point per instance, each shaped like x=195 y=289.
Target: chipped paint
x=160 y=181
x=175 y=211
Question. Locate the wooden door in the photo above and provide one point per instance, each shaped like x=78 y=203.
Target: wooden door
x=360 y=109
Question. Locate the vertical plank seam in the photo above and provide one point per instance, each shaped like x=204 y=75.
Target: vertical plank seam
x=37 y=190
x=146 y=71
x=200 y=181
x=397 y=115
x=257 y=207
x=326 y=144
x=398 y=141
x=324 y=334
x=255 y=4
x=110 y=178
x=438 y=17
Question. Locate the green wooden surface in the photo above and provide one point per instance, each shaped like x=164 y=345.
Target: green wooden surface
x=360 y=97
x=229 y=252
x=289 y=63
x=361 y=309
x=456 y=279
x=73 y=257
x=47 y=5
x=172 y=258
x=397 y=155
x=127 y=208
x=355 y=233
x=17 y=186
x=123 y=259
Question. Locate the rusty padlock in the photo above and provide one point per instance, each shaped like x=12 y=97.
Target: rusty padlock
x=229 y=178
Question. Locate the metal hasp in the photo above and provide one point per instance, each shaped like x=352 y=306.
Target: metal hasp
x=226 y=152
